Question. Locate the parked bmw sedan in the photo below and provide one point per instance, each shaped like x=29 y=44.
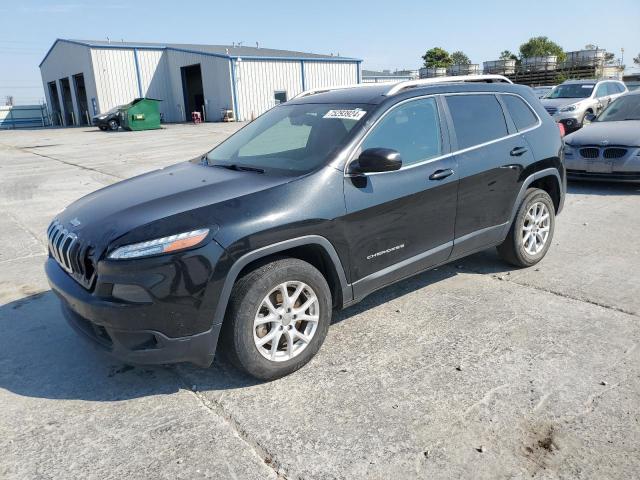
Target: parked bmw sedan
x=608 y=148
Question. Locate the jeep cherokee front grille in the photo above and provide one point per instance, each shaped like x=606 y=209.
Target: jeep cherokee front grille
x=71 y=253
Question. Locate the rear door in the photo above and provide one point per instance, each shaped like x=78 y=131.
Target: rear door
x=491 y=157
x=402 y=222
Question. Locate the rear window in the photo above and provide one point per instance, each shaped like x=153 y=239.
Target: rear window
x=476 y=119
x=520 y=112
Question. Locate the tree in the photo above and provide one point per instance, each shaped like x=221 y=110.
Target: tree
x=460 y=58
x=636 y=59
x=8 y=100
x=437 y=58
x=590 y=46
x=541 y=47
x=508 y=55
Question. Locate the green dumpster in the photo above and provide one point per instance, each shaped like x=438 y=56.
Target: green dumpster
x=141 y=114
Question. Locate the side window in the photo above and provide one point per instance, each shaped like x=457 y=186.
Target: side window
x=413 y=129
x=520 y=112
x=476 y=119
x=601 y=91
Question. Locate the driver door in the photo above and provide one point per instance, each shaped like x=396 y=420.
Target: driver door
x=401 y=222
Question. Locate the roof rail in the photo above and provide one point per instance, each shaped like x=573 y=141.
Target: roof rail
x=314 y=91
x=398 y=87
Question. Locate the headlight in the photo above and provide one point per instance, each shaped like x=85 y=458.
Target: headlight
x=568 y=108
x=568 y=149
x=172 y=243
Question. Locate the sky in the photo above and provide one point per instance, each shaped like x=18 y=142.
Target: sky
x=386 y=35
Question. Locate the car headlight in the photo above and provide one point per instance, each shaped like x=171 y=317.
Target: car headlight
x=568 y=149
x=568 y=108
x=168 y=244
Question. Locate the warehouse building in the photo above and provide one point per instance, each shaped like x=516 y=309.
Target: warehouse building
x=82 y=78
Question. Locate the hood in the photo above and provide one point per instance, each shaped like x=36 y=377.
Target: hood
x=560 y=102
x=626 y=133
x=167 y=201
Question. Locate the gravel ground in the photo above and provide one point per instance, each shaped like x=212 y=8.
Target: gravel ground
x=473 y=370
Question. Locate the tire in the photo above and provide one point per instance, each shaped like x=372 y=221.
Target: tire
x=113 y=125
x=247 y=305
x=103 y=128
x=514 y=250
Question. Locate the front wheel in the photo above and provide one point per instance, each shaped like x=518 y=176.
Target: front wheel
x=114 y=125
x=532 y=230
x=278 y=318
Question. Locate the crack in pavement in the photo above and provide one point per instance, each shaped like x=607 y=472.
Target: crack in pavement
x=502 y=278
x=27 y=231
x=82 y=167
x=218 y=409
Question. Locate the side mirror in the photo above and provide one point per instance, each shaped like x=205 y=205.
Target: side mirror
x=589 y=117
x=374 y=160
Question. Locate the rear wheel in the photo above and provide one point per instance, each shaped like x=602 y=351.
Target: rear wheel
x=532 y=230
x=277 y=319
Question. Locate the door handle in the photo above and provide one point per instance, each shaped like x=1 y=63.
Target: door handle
x=516 y=152
x=441 y=174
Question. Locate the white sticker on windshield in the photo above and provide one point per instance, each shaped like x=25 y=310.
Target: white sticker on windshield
x=588 y=86
x=355 y=114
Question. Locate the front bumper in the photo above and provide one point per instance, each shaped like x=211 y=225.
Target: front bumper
x=174 y=323
x=570 y=120
x=626 y=168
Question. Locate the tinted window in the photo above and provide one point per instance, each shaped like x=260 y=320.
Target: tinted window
x=290 y=138
x=477 y=119
x=413 y=129
x=520 y=112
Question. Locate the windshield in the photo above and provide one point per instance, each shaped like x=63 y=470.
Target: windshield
x=290 y=139
x=626 y=107
x=572 y=90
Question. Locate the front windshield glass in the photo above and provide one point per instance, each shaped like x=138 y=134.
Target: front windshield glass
x=289 y=138
x=626 y=107
x=572 y=90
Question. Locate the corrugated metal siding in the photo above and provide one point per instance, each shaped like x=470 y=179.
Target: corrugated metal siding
x=64 y=61
x=116 y=79
x=154 y=78
x=216 y=83
x=326 y=74
x=257 y=82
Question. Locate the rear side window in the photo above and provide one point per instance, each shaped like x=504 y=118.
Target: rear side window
x=412 y=129
x=520 y=112
x=476 y=119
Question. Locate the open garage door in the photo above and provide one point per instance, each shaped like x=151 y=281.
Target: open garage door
x=81 y=98
x=192 y=90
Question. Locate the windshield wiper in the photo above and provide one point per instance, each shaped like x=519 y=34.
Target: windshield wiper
x=239 y=168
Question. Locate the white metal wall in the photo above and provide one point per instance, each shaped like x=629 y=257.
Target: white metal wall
x=116 y=79
x=257 y=81
x=216 y=83
x=326 y=74
x=64 y=61
x=154 y=79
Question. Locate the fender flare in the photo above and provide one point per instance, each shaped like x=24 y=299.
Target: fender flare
x=247 y=258
x=547 y=172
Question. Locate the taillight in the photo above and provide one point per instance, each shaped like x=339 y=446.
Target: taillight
x=562 y=129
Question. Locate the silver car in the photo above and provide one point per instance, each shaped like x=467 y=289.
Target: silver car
x=609 y=147
x=570 y=102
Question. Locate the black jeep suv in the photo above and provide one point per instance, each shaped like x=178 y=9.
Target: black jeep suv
x=311 y=207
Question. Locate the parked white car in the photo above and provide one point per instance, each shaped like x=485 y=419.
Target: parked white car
x=570 y=102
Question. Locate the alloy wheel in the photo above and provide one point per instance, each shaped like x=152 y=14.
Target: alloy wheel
x=286 y=321
x=535 y=229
